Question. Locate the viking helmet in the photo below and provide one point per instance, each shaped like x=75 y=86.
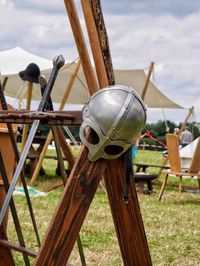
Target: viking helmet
x=114 y=116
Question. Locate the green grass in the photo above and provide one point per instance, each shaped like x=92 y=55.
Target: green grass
x=172 y=225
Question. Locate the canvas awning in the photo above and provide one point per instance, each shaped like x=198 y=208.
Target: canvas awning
x=14 y=60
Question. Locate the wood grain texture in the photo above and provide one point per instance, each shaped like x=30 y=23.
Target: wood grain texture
x=173 y=152
x=65 y=148
x=103 y=39
x=71 y=211
x=94 y=42
x=83 y=181
x=6 y=257
x=127 y=217
x=81 y=46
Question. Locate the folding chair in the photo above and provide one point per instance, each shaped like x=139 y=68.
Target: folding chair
x=175 y=163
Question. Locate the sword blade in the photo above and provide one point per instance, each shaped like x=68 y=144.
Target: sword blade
x=58 y=62
x=18 y=170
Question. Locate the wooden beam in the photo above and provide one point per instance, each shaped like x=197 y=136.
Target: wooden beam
x=66 y=148
x=103 y=41
x=16 y=247
x=28 y=104
x=81 y=46
x=94 y=42
x=147 y=81
x=127 y=217
x=70 y=85
x=190 y=111
x=71 y=211
x=6 y=257
x=50 y=118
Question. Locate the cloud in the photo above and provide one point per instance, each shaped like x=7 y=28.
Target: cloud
x=171 y=42
x=166 y=32
x=176 y=8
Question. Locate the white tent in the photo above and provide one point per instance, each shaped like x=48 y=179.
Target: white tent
x=187 y=152
x=14 y=60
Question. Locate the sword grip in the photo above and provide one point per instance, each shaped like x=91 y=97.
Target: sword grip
x=58 y=62
x=3 y=99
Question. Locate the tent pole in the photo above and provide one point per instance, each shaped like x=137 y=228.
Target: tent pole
x=70 y=85
x=4 y=83
x=28 y=104
x=50 y=135
x=26 y=127
x=190 y=111
x=143 y=94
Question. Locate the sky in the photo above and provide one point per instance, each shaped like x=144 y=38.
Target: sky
x=166 y=32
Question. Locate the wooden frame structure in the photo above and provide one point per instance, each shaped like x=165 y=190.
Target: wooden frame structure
x=85 y=175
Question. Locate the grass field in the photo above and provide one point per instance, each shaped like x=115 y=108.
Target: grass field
x=172 y=225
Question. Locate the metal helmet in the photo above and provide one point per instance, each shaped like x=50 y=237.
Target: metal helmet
x=115 y=116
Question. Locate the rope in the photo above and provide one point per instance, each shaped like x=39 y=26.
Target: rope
x=148 y=134
x=81 y=82
x=71 y=63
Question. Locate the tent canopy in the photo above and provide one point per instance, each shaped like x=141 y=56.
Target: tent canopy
x=14 y=60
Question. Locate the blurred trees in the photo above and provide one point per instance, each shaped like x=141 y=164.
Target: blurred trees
x=161 y=128
x=158 y=130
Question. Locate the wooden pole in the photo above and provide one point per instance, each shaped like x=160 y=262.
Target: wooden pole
x=6 y=257
x=103 y=40
x=26 y=127
x=6 y=148
x=147 y=81
x=71 y=211
x=70 y=85
x=28 y=104
x=41 y=158
x=81 y=46
x=50 y=135
x=94 y=41
x=190 y=111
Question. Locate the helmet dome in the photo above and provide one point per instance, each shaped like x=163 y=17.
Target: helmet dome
x=115 y=116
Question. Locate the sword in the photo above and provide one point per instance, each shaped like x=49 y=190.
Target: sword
x=17 y=157
x=58 y=62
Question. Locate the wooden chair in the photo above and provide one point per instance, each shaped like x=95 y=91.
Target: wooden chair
x=175 y=163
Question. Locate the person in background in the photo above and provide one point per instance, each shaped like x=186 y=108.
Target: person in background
x=135 y=146
x=176 y=131
x=186 y=137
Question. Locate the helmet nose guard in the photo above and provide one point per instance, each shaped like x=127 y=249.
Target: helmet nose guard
x=112 y=118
